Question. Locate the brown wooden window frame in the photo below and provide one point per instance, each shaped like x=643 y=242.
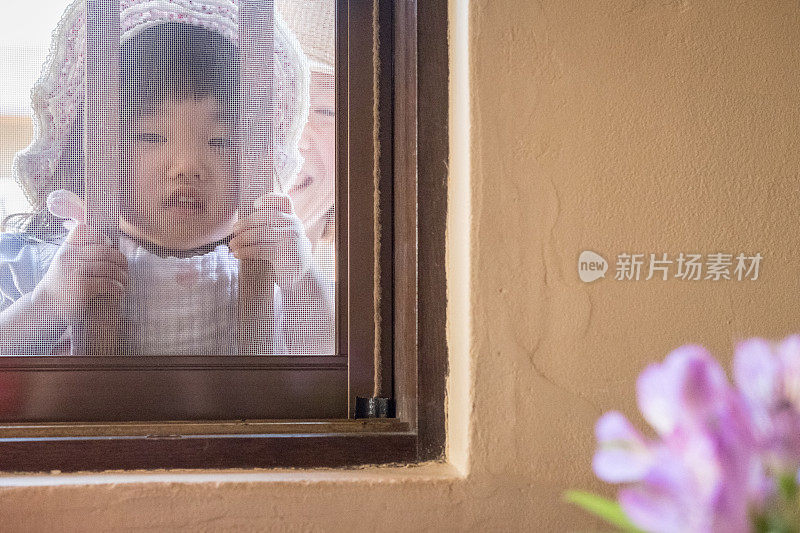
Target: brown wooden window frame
x=412 y=120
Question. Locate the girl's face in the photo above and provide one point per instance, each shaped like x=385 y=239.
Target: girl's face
x=314 y=192
x=180 y=165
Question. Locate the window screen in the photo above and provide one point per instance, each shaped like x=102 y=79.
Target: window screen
x=168 y=178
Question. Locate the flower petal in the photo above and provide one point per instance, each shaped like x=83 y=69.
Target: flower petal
x=658 y=398
x=665 y=501
x=757 y=372
x=789 y=356
x=704 y=384
x=622 y=455
x=685 y=387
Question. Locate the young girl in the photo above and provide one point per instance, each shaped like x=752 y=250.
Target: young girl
x=176 y=268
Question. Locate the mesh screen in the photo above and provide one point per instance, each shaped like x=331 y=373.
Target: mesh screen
x=174 y=196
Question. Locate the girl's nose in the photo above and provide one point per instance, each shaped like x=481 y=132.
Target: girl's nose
x=305 y=140
x=188 y=177
x=186 y=172
x=187 y=165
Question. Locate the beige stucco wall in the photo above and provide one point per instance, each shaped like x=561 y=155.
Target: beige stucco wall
x=611 y=125
x=15 y=135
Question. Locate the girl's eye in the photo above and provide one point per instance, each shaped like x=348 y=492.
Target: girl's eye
x=220 y=142
x=152 y=138
x=325 y=112
x=303 y=184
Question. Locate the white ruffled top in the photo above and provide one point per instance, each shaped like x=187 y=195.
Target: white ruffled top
x=180 y=305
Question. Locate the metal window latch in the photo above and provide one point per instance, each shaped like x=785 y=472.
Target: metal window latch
x=374 y=407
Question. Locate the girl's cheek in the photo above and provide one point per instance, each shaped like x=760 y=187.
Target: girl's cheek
x=136 y=161
x=231 y=179
x=228 y=201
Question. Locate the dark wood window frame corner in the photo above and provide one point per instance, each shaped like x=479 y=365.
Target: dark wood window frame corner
x=413 y=135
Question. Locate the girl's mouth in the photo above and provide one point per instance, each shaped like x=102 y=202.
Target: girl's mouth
x=187 y=201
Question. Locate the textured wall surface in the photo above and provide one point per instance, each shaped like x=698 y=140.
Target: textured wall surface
x=647 y=126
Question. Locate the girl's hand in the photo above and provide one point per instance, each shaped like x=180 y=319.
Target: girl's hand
x=274 y=233
x=85 y=267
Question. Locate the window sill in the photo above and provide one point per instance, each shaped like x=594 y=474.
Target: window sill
x=431 y=472
x=207 y=445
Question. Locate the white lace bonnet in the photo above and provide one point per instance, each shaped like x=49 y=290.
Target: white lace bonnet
x=57 y=95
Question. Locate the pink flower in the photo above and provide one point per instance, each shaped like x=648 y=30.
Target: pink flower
x=703 y=473
x=768 y=375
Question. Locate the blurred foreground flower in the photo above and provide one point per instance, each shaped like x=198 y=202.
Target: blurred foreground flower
x=725 y=459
